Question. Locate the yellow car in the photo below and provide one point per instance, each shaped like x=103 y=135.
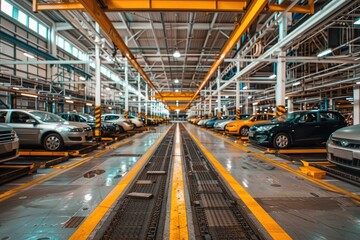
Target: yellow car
x=241 y=127
x=196 y=121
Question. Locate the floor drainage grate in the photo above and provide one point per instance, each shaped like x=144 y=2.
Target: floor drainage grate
x=73 y=222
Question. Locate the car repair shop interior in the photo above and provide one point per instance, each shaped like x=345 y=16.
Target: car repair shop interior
x=179 y=119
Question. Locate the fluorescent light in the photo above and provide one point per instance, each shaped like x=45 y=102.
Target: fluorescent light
x=249 y=97
x=110 y=108
x=272 y=76
x=255 y=103
x=325 y=52
x=69 y=101
x=89 y=104
x=286 y=98
x=176 y=54
x=296 y=83
x=16 y=88
x=246 y=87
x=176 y=90
x=29 y=95
x=357 y=22
x=134 y=99
x=357 y=82
x=28 y=55
x=226 y=96
x=82 y=78
x=107 y=88
x=120 y=93
x=67 y=97
x=176 y=81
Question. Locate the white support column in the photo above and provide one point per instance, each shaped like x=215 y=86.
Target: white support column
x=146 y=103
x=219 y=94
x=97 y=85
x=126 y=83
x=356 y=112
x=237 y=99
x=290 y=105
x=210 y=103
x=204 y=106
x=254 y=109
x=331 y=106
x=247 y=108
x=139 y=96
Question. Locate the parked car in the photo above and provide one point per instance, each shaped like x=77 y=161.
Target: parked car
x=221 y=124
x=107 y=128
x=43 y=128
x=343 y=147
x=211 y=121
x=123 y=123
x=135 y=121
x=299 y=127
x=9 y=142
x=241 y=127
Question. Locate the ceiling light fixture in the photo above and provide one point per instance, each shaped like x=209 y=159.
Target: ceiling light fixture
x=176 y=81
x=82 y=78
x=29 y=95
x=272 y=76
x=28 y=55
x=107 y=88
x=246 y=87
x=249 y=97
x=296 y=83
x=325 y=52
x=176 y=90
x=89 y=104
x=176 y=54
x=69 y=101
x=16 y=88
x=357 y=82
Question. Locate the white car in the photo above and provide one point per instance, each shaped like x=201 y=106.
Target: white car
x=124 y=124
x=136 y=121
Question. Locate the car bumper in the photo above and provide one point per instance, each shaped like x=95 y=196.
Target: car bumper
x=259 y=137
x=232 y=130
x=76 y=138
x=347 y=157
x=9 y=151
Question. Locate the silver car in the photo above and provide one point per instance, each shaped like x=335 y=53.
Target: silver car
x=124 y=124
x=9 y=143
x=343 y=147
x=42 y=128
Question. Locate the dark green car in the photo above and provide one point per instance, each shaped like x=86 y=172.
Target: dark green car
x=299 y=127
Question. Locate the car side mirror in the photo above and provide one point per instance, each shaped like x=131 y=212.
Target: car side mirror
x=31 y=120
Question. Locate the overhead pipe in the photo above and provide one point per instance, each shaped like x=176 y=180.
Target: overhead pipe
x=253 y=11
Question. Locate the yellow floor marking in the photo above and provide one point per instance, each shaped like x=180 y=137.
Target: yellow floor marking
x=178 y=218
x=57 y=171
x=284 y=166
x=87 y=227
x=270 y=225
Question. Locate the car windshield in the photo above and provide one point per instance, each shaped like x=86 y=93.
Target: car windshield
x=287 y=117
x=47 y=117
x=87 y=117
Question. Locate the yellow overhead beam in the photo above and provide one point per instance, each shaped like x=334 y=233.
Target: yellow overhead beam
x=310 y=8
x=251 y=14
x=173 y=96
x=153 y=5
x=175 y=108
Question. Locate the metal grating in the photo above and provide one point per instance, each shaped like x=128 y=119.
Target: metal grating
x=73 y=222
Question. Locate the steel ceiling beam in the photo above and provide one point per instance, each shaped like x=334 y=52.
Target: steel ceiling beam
x=249 y=17
x=98 y=14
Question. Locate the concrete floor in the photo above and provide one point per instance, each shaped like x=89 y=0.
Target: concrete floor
x=41 y=211
x=303 y=209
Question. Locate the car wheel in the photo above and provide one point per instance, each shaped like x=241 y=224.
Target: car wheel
x=121 y=129
x=244 y=131
x=53 y=142
x=281 y=140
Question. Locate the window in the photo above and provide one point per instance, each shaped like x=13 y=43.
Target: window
x=22 y=18
x=7 y=8
x=2 y=117
x=33 y=24
x=67 y=46
x=60 y=42
x=75 y=52
x=43 y=30
x=19 y=117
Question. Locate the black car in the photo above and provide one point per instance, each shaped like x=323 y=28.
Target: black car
x=107 y=128
x=300 y=127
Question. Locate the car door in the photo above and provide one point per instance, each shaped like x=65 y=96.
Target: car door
x=307 y=128
x=26 y=127
x=330 y=122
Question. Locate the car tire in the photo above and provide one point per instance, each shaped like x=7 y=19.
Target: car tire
x=281 y=140
x=121 y=129
x=244 y=131
x=53 y=142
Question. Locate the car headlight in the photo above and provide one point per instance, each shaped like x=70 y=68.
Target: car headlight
x=264 y=128
x=13 y=134
x=74 y=129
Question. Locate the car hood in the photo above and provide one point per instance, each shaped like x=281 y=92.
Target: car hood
x=350 y=133
x=76 y=124
x=5 y=127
